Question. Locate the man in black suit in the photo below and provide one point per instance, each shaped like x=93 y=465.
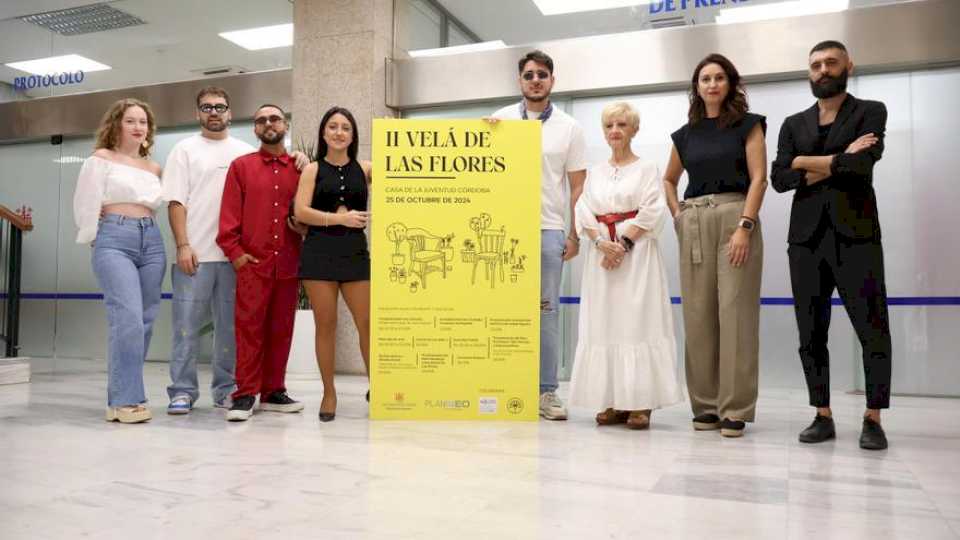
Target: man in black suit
x=826 y=156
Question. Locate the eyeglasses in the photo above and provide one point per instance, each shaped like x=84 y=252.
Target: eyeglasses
x=264 y=120
x=207 y=108
x=530 y=75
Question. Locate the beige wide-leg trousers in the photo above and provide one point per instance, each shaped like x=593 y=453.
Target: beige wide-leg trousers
x=721 y=307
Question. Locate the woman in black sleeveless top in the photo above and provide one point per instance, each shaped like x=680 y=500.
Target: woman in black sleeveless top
x=332 y=200
x=721 y=250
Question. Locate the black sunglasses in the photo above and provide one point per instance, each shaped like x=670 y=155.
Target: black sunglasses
x=207 y=108
x=272 y=119
x=540 y=74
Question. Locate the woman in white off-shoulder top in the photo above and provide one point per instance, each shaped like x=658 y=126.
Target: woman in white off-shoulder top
x=118 y=192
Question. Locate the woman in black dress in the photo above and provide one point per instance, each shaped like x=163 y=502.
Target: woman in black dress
x=332 y=200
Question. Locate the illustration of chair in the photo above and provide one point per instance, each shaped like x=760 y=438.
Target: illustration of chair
x=489 y=248
x=424 y=250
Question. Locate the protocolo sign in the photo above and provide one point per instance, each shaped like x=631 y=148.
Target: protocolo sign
x=45 y=81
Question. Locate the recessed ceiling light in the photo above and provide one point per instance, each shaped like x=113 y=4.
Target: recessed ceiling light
x=794 y=8
x=59 y=64
x=264 y=37
x=457 y=49
x=559 y=7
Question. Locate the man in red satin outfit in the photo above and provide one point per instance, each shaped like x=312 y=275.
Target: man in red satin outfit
x=262 y=241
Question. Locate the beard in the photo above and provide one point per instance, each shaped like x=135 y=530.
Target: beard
x=266 y=138
x=535 y=98
x=215 y=126
x=829 y=86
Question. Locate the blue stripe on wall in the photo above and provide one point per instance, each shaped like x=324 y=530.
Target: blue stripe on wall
x=765 y=301
x=788 y=300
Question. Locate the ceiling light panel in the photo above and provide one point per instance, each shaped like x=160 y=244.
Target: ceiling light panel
x=83 y=20
x=559 y=7
x=59 y=64
x=264 y=37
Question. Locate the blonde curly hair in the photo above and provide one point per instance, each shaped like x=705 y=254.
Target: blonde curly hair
x=108 y=134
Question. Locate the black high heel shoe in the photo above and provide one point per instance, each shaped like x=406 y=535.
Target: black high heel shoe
x=368 y=396
x=327 y=416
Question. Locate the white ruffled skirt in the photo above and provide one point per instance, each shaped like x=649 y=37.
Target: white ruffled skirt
x=626 y=356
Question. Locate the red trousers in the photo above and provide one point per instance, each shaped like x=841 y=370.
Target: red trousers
x=264 y=315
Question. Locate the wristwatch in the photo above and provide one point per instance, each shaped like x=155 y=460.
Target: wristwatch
x=746 y=224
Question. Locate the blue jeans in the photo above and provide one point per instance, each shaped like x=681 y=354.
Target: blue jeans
x=551 y=268
x=129 y=261
x=209 y=292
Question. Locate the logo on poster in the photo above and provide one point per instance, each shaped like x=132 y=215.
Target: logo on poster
x=515 y=406
x=454 y=404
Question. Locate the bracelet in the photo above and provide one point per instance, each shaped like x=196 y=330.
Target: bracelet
x=186 y=244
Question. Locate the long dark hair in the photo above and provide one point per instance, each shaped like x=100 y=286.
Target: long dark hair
x=322 y=144
x=734 y=105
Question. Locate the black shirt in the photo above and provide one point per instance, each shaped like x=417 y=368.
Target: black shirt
x=716 y=158
x=822 y=133
x=335 y=187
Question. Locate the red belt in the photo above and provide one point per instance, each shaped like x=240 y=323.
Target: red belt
x=611 y=221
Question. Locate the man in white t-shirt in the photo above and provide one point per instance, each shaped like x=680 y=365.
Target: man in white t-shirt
x=563 y=161
x=204 y=282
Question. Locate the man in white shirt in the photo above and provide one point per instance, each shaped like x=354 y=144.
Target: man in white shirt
x=204 y=282
x=564 y=158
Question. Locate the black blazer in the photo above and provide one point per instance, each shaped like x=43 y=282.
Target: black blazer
x=847 y=197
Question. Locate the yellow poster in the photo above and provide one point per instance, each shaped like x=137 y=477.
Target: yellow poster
x=455 y=270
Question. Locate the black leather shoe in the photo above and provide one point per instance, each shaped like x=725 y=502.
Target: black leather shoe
x=732 y=428
x=327 y=416
x=368 y=396
x=872 y=437
x=822 y=429
x=706 y=422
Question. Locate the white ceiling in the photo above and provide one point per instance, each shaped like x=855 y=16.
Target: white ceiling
x=180 y=37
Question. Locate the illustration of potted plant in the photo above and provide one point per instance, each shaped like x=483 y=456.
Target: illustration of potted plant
x=401 y=276
x=469 y=251
x=519 y=266
x=397 y=233
x=413 y=286
x=446 y=245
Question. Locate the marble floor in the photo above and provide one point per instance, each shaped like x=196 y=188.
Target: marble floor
x=65 y=473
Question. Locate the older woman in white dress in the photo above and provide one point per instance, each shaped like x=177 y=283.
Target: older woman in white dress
x=625 y=363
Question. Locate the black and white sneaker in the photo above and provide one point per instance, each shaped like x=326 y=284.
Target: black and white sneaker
x=242 y=409
x=706 y=422
x=732 y=428
x=279 y=401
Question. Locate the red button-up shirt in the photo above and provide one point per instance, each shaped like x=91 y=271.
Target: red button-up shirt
x=253 y=214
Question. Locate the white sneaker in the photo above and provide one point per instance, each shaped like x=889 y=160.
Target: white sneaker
x=551 y=407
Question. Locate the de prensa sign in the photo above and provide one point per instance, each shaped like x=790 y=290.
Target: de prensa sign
x=45 y=81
